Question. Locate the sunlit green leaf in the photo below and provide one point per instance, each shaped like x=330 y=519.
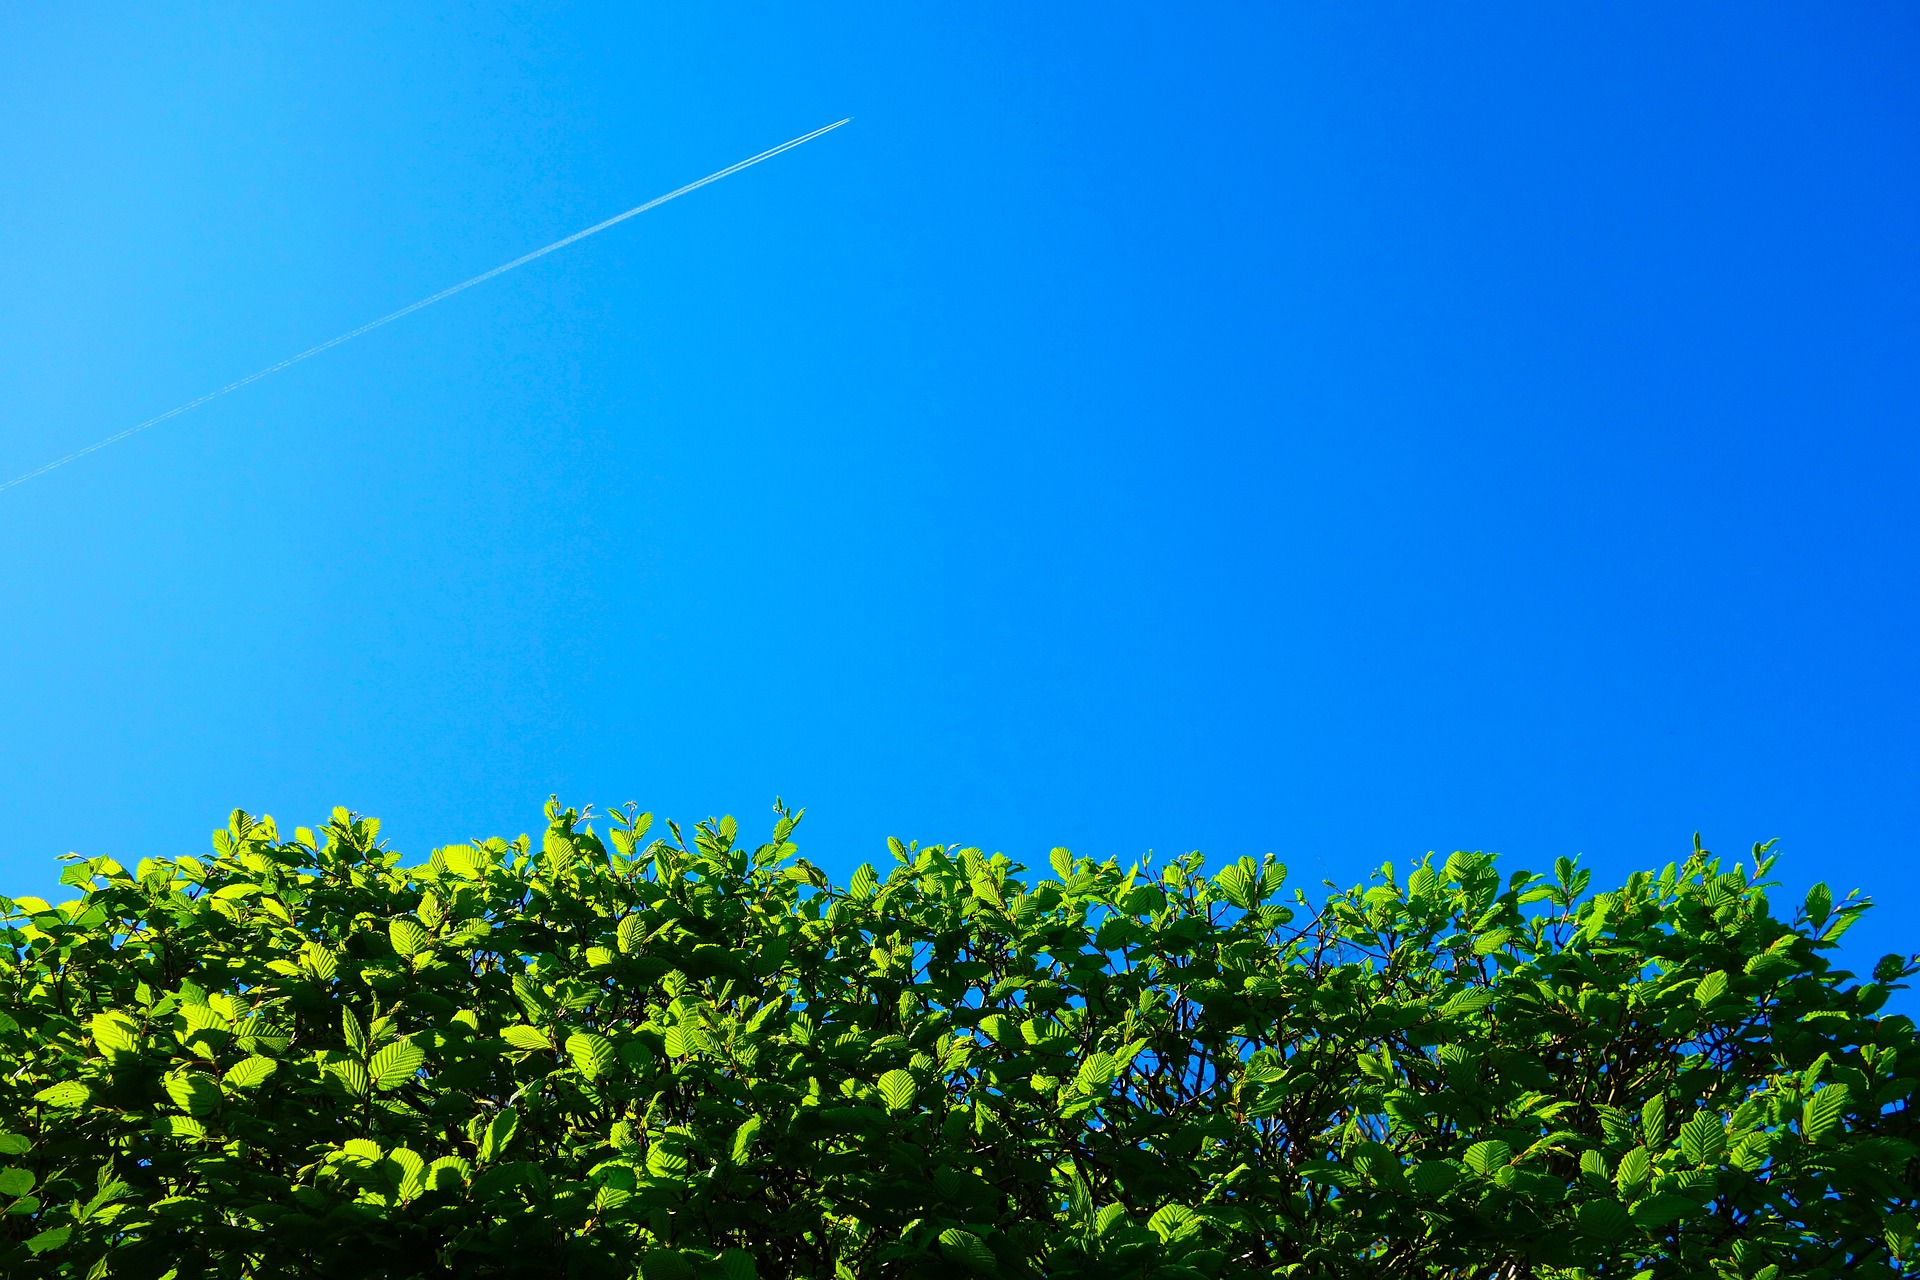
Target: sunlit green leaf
x=248 y=1072
x=65 y=1095
x=969 y=1066
x=523 y=1037
x=898 y=1089
x=592 y=1054
x=1486 y=1156
x=408 y=938
x=1173 y=1222
x=1823 y=1111
x=1703 y=1139
x=115 y=1033
x=395 y=1064
x=969 y=1251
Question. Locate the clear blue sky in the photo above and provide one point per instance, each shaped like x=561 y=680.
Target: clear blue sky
x=1347 y=431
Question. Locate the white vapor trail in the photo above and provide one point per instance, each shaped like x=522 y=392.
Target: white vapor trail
x=389 y=318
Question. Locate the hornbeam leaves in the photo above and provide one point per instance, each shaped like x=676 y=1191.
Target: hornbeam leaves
x=408 y=938
x=193 y=1093
x=898 y=1089
x=1823 y=1111
x=743 y=1138
x=497 y=1133
x=529 y=1038
x=1703 y=1139
x=594 y=1055
x=968 y=1250
x=65 y=1096
x=1173 y=1222
x=395 y=1064
x=1605 y=1219
x=116 y=1034
x=1653 y=1120
x=248 y=1072
x=696 y=1057
x=1484 y=1157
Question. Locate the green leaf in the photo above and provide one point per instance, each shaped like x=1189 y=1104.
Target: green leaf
x=395 y=1064
x=1593 y=1166
x=1096 y=1073
x=809 y=1005
x=1653 y=1121
x=180 y=1128
x=448 y=1173
x=743 y=1138
x=115 y=1033
x=1819 y=905
x=65 y=1096
x=1603 y=1219
x=1634 y=1169
x=194 y=1093
x=664 y=1161
x=1236 y=886
x=1173 y=1222
x=592 y=1054
x=363 y=1151
x=1658 y=1210
x=498 y=1133
x=968 y=1250
x=1822 y=1113
x=352 y=1075
x=1703 y=1139
x=1471 y=1001
x=524 y=1037
x=1488 y=943
x=664 y=1264
x=406 y=1174
x=897 y=1088
x=15 y=1182
x=1001 y=1030
x=408 y=938
x=1485 y=1157
x=52 y=1238
x=248 y=1072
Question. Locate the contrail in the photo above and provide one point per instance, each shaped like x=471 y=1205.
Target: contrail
x=409 y=309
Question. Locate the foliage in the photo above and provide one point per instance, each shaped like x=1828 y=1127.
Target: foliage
x=691 y=1058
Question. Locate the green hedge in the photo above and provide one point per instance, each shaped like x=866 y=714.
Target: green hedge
x=688 y=1057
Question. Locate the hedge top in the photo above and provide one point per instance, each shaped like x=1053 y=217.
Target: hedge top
x=686 y=1057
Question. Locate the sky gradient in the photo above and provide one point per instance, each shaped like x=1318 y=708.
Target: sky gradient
x=1341 y=432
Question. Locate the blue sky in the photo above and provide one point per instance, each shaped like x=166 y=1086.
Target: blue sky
x=1341 y=431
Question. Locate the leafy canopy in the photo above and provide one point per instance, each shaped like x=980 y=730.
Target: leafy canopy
x=686 y=1058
